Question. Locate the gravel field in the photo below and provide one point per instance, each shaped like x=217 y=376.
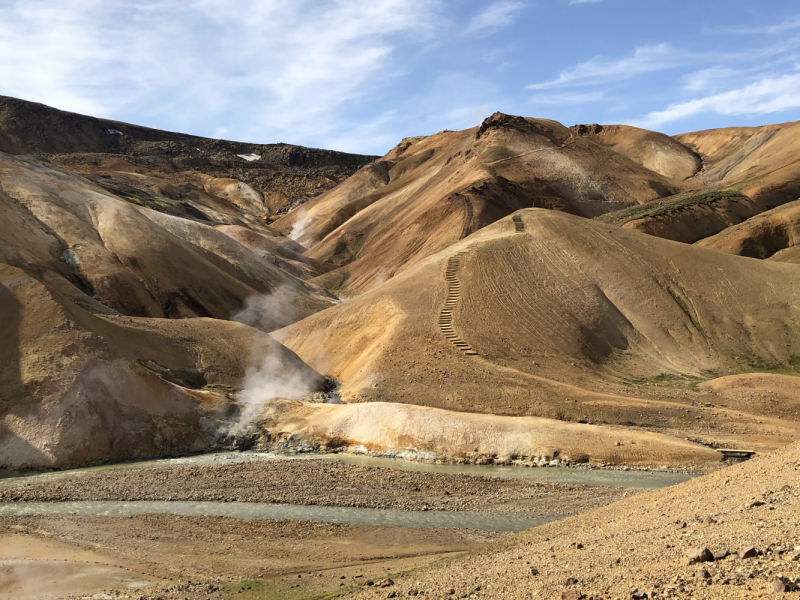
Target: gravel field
x=318 y=482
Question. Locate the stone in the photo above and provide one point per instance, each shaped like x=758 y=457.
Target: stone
x=779 y=586
x=754 y=504
x=720 y=554
x=749 y=552
x=637 y=595
x=572 y=594
x=699 y=555
x=391 y=595
x=795 y=555
x=571 y=581
x=534 y=571
x=709 y=520
x=680 y=525
x=702 y=574
x=386 y=583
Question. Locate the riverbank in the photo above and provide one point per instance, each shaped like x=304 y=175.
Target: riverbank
x=166 y=557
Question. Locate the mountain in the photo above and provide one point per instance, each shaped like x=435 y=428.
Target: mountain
x=509 y=278
x=80 y=384
x=428 y=193
x=283 y=173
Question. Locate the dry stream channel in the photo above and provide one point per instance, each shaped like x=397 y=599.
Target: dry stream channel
x=503 y=519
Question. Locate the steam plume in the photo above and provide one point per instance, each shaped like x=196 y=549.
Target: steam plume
x=300 y=224
x=270 y=374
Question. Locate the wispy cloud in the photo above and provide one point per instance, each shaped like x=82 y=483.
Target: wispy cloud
x=787 y=25
x=584 y=1
x=496 y=15
x=768 y=95
x=268 y=69
x=570 y=98
x=646 y=59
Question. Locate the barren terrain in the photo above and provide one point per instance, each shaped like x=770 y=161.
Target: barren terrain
x=641 y=545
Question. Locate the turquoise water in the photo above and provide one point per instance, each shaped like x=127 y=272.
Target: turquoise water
x=645 y=480
x=260 y=510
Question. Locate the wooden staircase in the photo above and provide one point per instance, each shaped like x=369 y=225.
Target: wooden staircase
x=446 y=316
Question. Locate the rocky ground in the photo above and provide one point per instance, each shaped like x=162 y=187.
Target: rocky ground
x=314 y=482
x=734 y=533
x=660 y=544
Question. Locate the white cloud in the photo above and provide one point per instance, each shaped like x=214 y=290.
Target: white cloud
x=709 y=79
x=768 y=95
x=561 y=99
x=645 y=59
x=496 y=15
x=584 y=1
x=269 y=70
x=787 y=25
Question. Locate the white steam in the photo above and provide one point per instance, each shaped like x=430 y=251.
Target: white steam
x=271 y=373
x=302 y=221
x=270 y=311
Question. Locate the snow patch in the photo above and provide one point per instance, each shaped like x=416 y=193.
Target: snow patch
x=115 y=132
x=250 y=157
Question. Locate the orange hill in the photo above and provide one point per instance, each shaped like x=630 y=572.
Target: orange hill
x=430 y=192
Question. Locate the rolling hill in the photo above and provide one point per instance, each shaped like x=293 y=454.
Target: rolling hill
x=552 y=315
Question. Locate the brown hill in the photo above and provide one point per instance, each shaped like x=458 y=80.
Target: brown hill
x=656 y=151
x=428 y=193
x=551 y=315
x=762 y=236
x=78 y=384
x=284 y=173
x=761 y=162
x=68 y=232
x=686 y=217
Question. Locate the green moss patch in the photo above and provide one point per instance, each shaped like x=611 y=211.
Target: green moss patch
x=276 y=589
x=668 y=205
x=668 y=380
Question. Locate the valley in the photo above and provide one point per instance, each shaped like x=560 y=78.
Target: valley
x=502 y=361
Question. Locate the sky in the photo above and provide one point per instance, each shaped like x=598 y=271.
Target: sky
x=360 y=75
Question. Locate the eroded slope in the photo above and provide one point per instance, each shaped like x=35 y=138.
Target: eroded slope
x=428 y=193
x=139 y=262
x=651 y=149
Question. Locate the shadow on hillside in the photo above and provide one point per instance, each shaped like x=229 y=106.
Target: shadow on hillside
x=10 y=374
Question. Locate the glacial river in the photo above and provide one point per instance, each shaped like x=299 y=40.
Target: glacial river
x=484 y=520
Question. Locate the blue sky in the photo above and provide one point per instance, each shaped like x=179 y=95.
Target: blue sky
x=359 y=75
